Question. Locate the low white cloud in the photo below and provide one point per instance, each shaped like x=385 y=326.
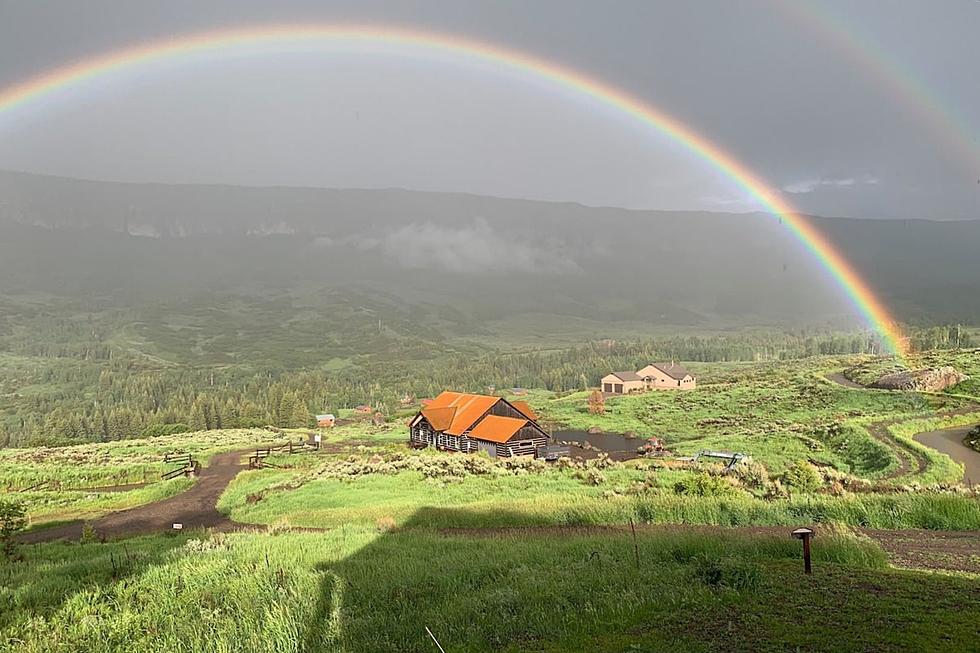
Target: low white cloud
x=476 y=247
x=730 y=203
x=809 y=185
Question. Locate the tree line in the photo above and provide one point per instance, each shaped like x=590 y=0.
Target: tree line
x=117 y=394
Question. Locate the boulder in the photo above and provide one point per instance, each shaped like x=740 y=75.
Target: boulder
x=973 y=438
x=934 y=379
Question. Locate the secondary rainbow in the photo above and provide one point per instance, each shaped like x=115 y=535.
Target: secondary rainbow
x=876 y=64
x=79 y=72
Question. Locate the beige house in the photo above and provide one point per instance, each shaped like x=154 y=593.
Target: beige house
x=667 y=376
x=656 y=376
x=622 y=383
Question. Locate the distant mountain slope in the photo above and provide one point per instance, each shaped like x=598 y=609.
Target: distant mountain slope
x=487 y=257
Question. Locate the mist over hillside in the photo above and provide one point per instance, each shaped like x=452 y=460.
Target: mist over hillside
x=482 y=257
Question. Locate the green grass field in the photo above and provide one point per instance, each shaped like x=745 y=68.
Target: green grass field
x=519 y=555
x=368 y=489
x=80 y=478
x=778 y=413
x=354 y=589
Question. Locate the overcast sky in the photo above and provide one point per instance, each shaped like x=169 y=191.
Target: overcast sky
x=852 y=108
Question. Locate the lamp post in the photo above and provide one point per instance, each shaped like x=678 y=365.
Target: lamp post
x=805 y=534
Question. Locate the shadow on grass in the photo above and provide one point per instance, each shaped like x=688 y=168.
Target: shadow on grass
x=601 y=588
x=496 y=588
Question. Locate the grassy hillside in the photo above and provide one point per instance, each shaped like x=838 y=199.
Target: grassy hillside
x=85 y=481
x=362 y=546
x=352 y=589
x=782 y=415
x=490 y=258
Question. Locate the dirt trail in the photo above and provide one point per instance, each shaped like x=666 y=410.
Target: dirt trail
x=910 y=548
x=194 y=508
x=840 y=379
x=911 y=461
x=936 y=550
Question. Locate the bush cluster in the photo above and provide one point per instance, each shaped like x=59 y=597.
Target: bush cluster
x=802 y=477
x=703 y=484
x=456 y=467
x=13 y=518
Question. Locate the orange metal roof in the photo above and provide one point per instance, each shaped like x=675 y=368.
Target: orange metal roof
x=525 y=408
x=439 y=418
x=468 y=409
x=497 y=429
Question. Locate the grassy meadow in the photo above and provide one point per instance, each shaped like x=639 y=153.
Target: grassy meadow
x=363 y=545
x=355 y=589
x=82 y=481
x=778 y=413
x=386 y=487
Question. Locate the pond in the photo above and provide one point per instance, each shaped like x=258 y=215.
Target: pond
x=608 y=442
x=950 y=442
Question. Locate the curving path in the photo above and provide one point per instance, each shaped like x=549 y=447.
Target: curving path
x=948 y=441
x=194 y=508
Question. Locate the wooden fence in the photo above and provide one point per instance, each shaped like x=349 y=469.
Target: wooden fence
x=187 y=465
x=260 y=458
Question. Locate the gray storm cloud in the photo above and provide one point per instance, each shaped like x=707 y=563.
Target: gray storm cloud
x=813 y=124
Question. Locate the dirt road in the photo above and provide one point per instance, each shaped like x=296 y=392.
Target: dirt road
x=938 y=550
x=840 y=379
x=195 y=508
x=911 y=548
x=947 y=441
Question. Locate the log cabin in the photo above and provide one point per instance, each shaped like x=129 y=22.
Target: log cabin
x=457 y=421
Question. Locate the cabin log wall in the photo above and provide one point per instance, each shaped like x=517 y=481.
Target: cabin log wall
x=523 y=443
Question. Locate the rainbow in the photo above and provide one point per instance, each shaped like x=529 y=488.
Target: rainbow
x=874 y=63
x=290 y=36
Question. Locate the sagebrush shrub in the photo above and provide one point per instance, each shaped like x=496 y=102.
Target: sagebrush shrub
x=13 y=518
x=705 y=485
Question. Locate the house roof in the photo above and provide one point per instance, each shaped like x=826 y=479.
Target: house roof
x=525 y=408
x=440 y=418
x=672 y=370
x=497 y=429
x=467 y=408
x=626 y=376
